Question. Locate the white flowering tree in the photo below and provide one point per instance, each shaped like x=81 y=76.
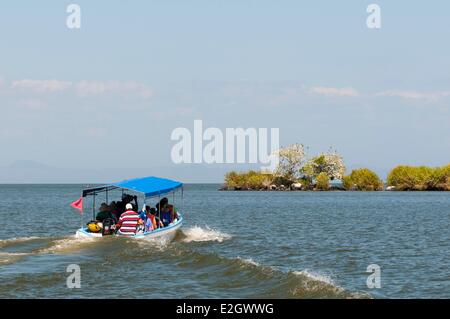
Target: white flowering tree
x=291 y=160
x=330 y=163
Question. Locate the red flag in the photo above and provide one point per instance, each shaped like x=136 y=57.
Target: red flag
x=78 y=204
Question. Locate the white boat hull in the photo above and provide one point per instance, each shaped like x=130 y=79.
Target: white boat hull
x=165 y=234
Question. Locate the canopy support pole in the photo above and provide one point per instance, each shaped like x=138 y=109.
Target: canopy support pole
x=159 y=209
x=81 y=218
x=93 y=207
x=145 y=205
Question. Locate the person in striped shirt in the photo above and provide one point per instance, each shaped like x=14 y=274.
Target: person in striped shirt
x=128 y=221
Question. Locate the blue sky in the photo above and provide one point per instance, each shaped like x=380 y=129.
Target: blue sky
x=108 y=95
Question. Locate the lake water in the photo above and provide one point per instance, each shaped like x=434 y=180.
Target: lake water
x=233 y=244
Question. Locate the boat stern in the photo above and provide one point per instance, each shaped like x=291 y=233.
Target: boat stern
x=84 y=233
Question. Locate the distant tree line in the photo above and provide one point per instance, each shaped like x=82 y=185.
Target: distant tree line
x=297 y=172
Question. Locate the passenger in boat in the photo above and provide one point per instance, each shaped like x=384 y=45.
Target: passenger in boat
x=127 y=199
x=115 y=212
x=162 y=213
x=151 y=221
x=166 y=212
x=166 y=216
x=128 y=221
x=159 y=223
x=148 y=215
x=140 y=227
x=143 y=212
x=104 y=212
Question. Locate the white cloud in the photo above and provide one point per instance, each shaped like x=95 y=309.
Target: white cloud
x=415 y=95
x=89 y=88
x=406 y=94
x=41 y=86
x=348 y=91
x=84 y=88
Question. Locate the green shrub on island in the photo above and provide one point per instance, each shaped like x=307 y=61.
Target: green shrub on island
x=420 y=178
x=282 y=181
x=323 y=182
x=362 y=179
x=250 y=180
x=409 y=177
x=234 y=180
x=307 y=184
x=347 y=182
x=258 y=180
x=440 y=178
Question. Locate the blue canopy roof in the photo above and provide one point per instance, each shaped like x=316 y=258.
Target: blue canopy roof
x=149 y=186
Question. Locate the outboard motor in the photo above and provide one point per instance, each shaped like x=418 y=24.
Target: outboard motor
x=109 y=226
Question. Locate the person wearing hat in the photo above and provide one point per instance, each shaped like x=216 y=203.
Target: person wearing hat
x=128 y=221
x=126 y=198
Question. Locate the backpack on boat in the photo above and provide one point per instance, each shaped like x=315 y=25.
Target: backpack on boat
x=109 y=226
x=93 y=226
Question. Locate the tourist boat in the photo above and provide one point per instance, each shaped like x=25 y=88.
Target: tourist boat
x=147 y=187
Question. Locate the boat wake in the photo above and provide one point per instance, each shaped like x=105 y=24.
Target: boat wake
x=10 y=258
x=226 y=275
x=15 y=249
x=203 y=234
x=316 y=284
x=248 y=261
x=255 y=280
x=300 y=284
x=67 y=244
x=16 y=240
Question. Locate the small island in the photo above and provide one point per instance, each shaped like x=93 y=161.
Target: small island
x=326 y=172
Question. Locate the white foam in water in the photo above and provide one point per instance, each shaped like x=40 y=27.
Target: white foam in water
x=248 y=261
x=7 y=258
x=315 y=276
x=328 y=281
x=4 y=242
x=199 y=234
x=11 y=257
x=155 y=243
x=319 y=278
x=68 y=244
